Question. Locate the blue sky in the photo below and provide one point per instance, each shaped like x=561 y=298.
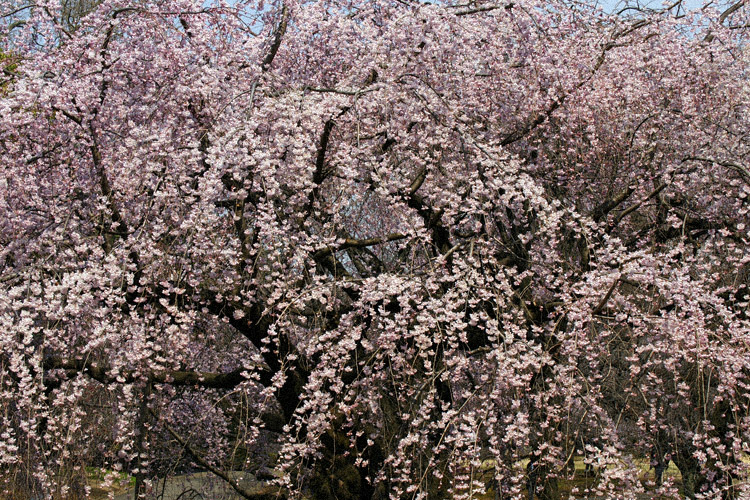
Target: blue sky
x=613 y=5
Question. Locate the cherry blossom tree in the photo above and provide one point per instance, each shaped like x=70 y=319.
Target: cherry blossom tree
x=386 y=248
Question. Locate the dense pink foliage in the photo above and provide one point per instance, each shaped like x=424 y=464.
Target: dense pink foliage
x=391 y=239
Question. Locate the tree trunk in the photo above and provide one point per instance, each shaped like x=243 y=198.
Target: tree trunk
x=692 y=478
x=550 y=489
x=335 y=476
x=141 y=439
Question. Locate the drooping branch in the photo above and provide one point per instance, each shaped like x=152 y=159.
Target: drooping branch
x=542 y=116
x=740 y=169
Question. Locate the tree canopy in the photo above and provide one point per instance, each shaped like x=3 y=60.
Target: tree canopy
x=374 y=245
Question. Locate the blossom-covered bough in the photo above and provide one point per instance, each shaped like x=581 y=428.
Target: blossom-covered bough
x=389 y=249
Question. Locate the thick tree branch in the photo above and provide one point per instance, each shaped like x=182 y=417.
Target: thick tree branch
x=319 y=175
x=431 y=217
x=603 y=302
x=103 y=373
x=608 y=205
x=723 y=17
x=355 y=243
x=483 y=8
x=278 y=35
x=636 y=206
x=417 y=182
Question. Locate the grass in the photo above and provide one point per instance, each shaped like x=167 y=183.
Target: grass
x=97 y=481
x=579 y=480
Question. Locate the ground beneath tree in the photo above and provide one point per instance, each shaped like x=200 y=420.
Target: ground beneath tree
x=206 y=486
x=198 y=486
